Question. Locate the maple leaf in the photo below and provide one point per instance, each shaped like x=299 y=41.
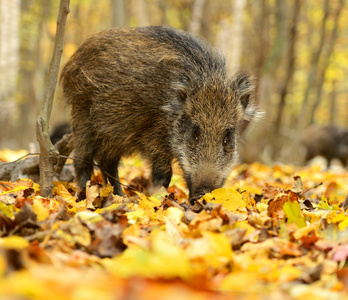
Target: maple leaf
x=229 y=198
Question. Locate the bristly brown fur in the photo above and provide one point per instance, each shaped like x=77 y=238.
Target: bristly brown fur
x=161 y=92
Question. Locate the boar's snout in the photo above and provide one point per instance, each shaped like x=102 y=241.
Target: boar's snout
x=200 y=191
x=204 y=183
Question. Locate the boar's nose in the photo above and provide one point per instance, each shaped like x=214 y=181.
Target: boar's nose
x=200 y=191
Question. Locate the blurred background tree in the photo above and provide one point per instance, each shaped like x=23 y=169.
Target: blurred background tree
x=297 y=51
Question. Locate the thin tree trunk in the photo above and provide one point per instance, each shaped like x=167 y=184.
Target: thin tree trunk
x=262 y=38
x=288 y=78
x=31 y=78
x=9 y=65
x=326 y=61
x=230 y=39
x=333 y=103
x=313 y=71
x=118 y=13
x=254 y=149
x=197 y=15
x=140 y=10
x=302 y=119
x=49 y=154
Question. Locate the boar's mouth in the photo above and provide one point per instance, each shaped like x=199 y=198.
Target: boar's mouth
x=198 y=189
x=195 y=195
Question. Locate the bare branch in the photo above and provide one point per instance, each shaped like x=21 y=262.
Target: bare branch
x=49 y=154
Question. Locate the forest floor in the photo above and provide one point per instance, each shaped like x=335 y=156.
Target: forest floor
x=271 y=232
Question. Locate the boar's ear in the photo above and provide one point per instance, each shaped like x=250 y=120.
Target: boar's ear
x=177 y=98
x=245 y=87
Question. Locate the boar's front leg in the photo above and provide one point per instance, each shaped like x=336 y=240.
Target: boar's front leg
x=161 y=171
x=109 y=169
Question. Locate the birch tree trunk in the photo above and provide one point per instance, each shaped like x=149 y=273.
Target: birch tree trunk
x=140 y=12
x=9 y=60
x=118 y=13
x=230 y=39
x=197 y=15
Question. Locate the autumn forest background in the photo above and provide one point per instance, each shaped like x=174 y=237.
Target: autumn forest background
x=276 y=230
x=297 y=51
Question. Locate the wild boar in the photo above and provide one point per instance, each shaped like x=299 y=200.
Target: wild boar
x=329 y=141
x=160 y=92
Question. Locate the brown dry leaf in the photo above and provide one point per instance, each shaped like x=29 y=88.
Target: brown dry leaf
x=92 y=196
x=205 y=222
x=270 y=192
x=275 y=206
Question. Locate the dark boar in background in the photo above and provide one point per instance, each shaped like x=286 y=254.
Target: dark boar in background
x=160 y=92
x=58 y=132
x=328 y=141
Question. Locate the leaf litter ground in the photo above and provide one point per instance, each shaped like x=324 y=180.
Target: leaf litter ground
x=271 y=232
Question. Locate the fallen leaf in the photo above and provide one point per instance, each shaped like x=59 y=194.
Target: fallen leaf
x=41 y=212
x=14 y=243
x=293 y=213
x=229 y=198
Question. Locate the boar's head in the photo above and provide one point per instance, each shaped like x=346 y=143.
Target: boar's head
x=205 y=131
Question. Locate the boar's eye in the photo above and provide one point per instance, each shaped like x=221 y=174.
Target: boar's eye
x=193 y=136
x=195 y=133
x=228 y=140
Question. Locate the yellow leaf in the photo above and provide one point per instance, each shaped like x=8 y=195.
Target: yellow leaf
x=288 y=273
x=198 y=248
x=132 y=230
x=64 y=235
x=105 y=191
x=63 y=192
x=88 y=216
x=175 y=214
x=166 y=260
x=41 y=212
x=112 y=207
x=80 y=233
x=173 y=229
x=344 y=224
x=173 y=222
x=338 y=218
x=323 y=204
x=16 y=189
x=3 y=265
x=244 y=225
x=229 y=198
x=134 y=216
x=14 y=242
x=148 y=202
x=261 y=207
x=36 y=188
x=7 y=210
x=219 y=243
x=239 y=282
x=301 y=232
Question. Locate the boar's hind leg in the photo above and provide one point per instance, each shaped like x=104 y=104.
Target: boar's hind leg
x=161 y=172
x=109 y=169
x=83 y=169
